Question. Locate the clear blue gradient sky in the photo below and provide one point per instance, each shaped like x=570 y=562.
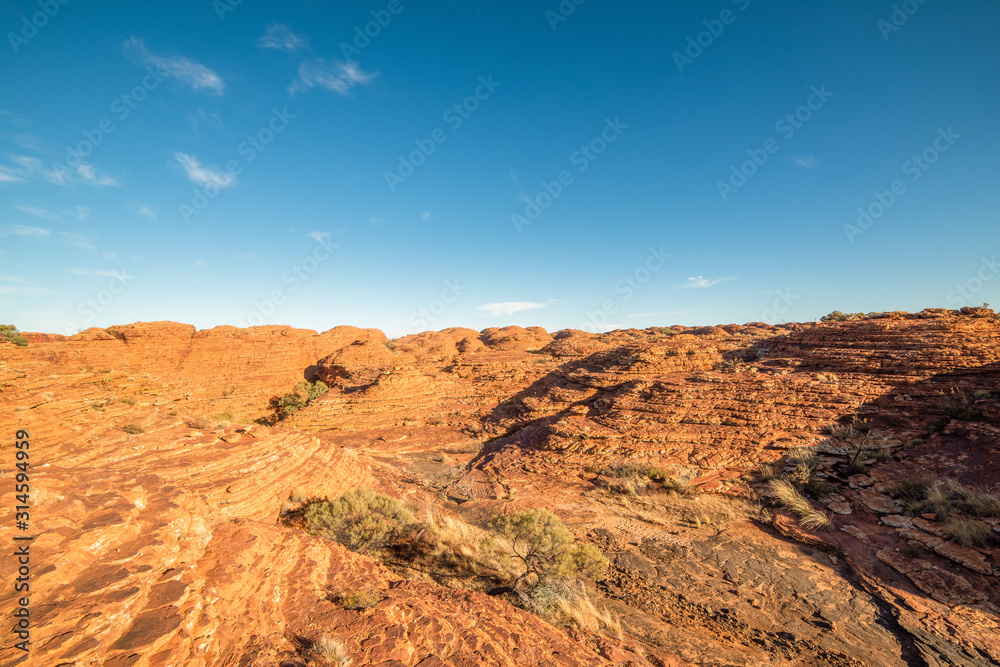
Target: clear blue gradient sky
x=595 y=165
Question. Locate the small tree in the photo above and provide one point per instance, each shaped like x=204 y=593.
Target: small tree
x=544 y=547
x=359 y=519
x=10 y=334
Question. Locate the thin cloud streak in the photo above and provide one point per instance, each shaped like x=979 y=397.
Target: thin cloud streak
x=191 y=73
x=509 y=307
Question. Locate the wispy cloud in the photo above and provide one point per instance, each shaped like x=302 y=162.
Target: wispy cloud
x=21 y=286
x=426 y=216
x=29 y=142
x=671 y=312
x=144 y=210
x=78 y=240
x=805 y=161
x=702 y=283
x=203 y=119
x=22 y=230
x=334 y=76
x=29 y=291
x=45 y=235
x=190 y=73
x=97 y=272
x=521 y=194
x=8 y=175
x=319 y=236
x=205 y=175
x=36 y=212
x=280 y=37
x=89 y=176
x=13 y=118
x=78 y=212
x=34 y=168
x=509 y=307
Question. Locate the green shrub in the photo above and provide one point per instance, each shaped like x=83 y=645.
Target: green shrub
x=133 y=429
x=961 y=410
x=128 y=400
x=9 y=333
x=357 y=600
x=733 y=365
x=360 y=520
x=544 y=548
x=679 y=485
x=226 y=415
x=837 y=316
x=304 y=393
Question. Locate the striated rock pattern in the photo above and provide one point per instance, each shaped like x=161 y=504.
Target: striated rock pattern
x=170 y=533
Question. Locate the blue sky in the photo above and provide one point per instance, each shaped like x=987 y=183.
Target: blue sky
x=595 y=165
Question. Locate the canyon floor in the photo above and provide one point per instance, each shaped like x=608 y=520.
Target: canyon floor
x=160 y=491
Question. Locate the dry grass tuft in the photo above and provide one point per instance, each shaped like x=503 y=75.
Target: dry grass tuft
x=333 y=649
x=788 y=496
x=968 y=532
x=583 y=613
x=922 y=494
x=566 y=603
x=841 y=432
x=472 y=548
x=974 y=501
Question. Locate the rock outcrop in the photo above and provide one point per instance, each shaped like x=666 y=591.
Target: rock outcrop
x=170 y=531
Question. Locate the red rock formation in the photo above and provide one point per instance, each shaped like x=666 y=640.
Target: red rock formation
x=171 y=533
